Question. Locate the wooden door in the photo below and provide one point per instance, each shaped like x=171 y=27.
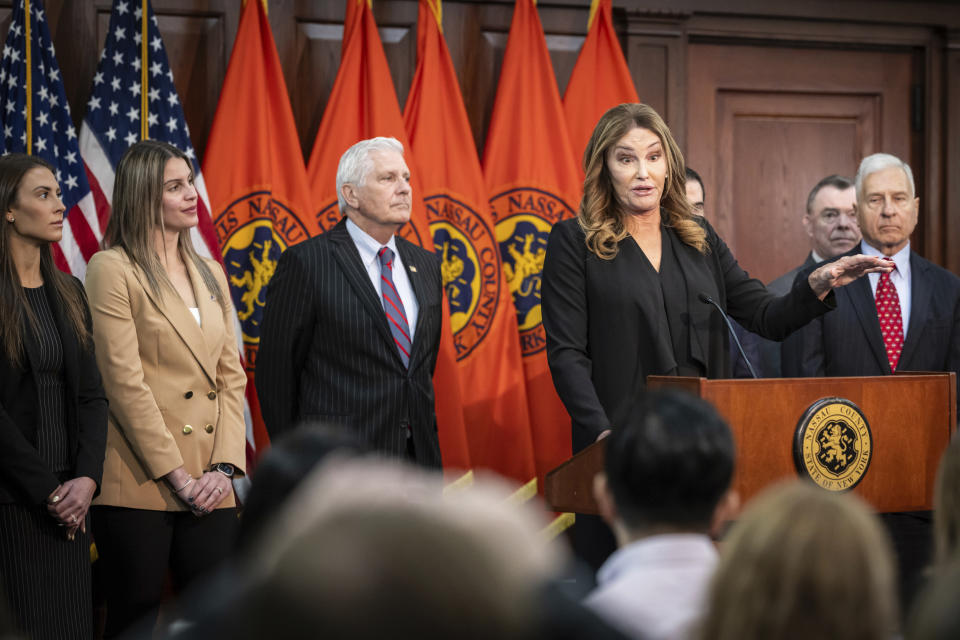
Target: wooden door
x=766 y=123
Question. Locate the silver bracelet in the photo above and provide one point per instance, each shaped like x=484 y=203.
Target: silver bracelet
x=189 y=482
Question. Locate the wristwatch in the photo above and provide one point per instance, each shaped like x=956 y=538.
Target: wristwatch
x=224 y=468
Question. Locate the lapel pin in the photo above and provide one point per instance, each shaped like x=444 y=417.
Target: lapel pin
x=413 y=268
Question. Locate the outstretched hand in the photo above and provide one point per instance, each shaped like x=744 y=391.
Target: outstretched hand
x=844 y=271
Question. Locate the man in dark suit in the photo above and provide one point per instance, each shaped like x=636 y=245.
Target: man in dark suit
x=921 y=300
x=830 y=221
x=907 y=320
x=351 y=325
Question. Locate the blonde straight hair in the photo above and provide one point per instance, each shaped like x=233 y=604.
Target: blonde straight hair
x=138 y=213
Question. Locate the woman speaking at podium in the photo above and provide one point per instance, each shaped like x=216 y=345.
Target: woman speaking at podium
x=629 y=284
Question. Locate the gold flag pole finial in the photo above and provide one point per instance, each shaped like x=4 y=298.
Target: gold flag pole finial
x=594 y=6
x=436 y=8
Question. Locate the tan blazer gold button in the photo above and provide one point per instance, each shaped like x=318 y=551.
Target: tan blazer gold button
x=187 y=429
x=212 y=394
x=208 y=428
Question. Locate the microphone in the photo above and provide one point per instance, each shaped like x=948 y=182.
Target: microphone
x=733 y=334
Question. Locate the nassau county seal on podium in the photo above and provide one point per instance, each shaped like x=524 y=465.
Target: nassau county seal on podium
x=524 y=218
x=253 y=231
x=833 y=444
x=470 y=267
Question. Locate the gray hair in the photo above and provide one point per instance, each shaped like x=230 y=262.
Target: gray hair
x=879 y=162
x=355 y=162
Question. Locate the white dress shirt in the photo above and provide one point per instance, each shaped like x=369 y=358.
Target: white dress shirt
x=369 y=248
x=900 y=277
x=655 y=588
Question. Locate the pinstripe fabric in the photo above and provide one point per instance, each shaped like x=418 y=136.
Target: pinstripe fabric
x=45 y=577
x=327 y=353
x=393 y=306
x=52 y=414
x=52 y=442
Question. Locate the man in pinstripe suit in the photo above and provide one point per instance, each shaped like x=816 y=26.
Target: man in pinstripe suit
x=351 y=325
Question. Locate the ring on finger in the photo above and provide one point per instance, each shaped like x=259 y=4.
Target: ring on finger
x=219 y=490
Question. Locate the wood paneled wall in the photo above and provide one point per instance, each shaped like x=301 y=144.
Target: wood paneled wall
x=656 y=35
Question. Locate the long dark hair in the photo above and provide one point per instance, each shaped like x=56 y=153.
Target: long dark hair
x=15 y=310
x=137 y=214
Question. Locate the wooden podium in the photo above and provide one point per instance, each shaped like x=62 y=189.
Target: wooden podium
x=911 y=417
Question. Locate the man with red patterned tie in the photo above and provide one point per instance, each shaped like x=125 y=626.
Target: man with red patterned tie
x=351 y=325
x=905 y=320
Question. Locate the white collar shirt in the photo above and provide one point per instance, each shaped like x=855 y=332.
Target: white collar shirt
x=655 y=587
x=369 y=248
x=900 y=277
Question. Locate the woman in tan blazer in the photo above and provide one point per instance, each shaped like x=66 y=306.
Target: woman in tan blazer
x=163 y=325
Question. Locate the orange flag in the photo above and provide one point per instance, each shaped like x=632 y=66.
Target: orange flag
x=259 y=197
x=533 y=182
x=461 y=222
x=363 y=104
x=600 y=79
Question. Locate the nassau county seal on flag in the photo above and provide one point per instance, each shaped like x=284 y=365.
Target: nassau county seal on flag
x=469 y=265
x=524 y=218
x=253 y=231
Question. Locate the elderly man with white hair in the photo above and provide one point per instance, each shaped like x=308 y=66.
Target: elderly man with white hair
x=907 y=320
x=351 y=325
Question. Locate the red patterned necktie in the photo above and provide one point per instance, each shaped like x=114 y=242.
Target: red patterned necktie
x=891 y=322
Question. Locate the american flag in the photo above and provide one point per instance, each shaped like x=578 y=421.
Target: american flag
x=133 y=98
x=37 y=104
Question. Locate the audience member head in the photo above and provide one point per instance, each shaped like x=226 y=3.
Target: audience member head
x=373 y=186
x=696 y=193
x=935 y=614
x=831 y=217
x=32 y=221
x=804 y=563
x=613 y=166
x=887 y=206
x=668 y=467
x=946 y=507
x=367 y=549
x=153 y=197
x=283 y=467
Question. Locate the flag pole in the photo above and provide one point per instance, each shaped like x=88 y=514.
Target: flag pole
x=29 y=85
x=144 y=62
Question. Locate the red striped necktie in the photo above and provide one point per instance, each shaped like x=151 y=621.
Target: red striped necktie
x=891 y=321
x=393 y=306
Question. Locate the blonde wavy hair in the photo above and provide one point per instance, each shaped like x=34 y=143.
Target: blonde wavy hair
x=600 y=216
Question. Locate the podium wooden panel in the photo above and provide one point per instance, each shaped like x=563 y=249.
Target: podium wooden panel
x=911 y=418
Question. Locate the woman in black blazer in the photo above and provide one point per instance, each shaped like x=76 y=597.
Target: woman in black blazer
x=622 y=281
x=53 y=413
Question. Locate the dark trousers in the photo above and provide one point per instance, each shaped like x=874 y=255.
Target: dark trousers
x=137 y=547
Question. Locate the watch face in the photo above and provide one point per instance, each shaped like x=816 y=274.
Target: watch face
x=225 y=469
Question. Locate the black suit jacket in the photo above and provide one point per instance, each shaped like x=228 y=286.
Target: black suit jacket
x=768 y=351
x=24 y=477
x=326 y=352
x=602 y=342
x=848 y=341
